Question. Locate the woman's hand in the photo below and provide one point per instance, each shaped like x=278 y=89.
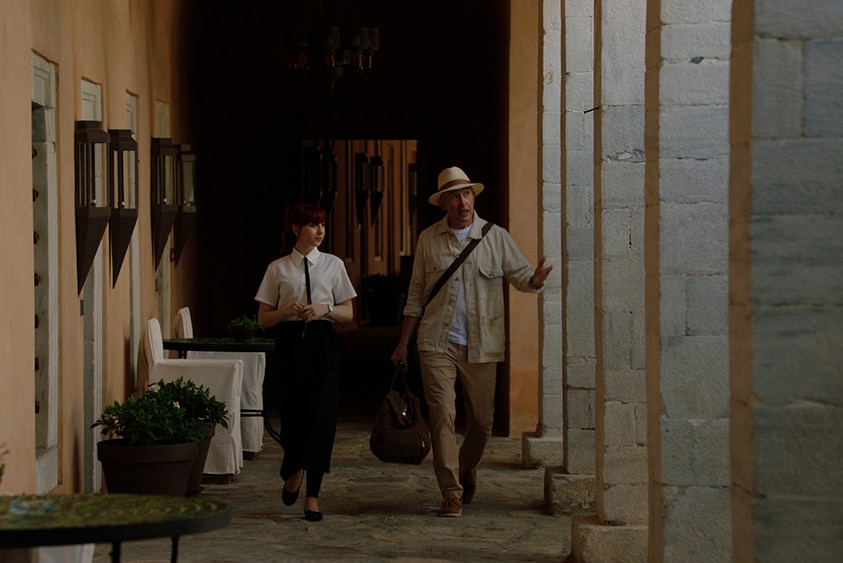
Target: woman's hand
x=269 y=316
x=313 y=312
x=294 y=309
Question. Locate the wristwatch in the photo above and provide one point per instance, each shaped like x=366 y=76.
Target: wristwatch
x=330 y=310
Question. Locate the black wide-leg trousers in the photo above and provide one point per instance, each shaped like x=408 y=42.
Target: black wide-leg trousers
x=308 y=374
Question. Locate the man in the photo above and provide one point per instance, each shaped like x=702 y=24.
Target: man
x=461 y=331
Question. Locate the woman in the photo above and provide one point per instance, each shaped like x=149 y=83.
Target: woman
x=302 y=294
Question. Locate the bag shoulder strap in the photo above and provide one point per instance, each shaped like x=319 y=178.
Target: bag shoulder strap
x=456 y=264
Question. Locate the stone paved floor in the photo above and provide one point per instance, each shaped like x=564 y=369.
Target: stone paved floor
x=374 y=512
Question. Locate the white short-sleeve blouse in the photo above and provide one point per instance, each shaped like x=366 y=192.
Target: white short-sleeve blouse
x=284 y=281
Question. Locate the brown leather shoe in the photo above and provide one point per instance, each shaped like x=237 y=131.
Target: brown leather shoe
x=451 y=506
x=469 y=485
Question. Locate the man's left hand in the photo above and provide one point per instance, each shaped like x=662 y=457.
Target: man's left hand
x=540 y=274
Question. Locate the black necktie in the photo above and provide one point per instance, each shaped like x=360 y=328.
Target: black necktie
x=307 y=285
x=307 y=280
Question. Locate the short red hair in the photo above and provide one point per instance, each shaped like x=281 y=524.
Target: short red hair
x=299 y=214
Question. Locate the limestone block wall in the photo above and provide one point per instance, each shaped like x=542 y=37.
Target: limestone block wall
x=687 y=92
x=786 y=280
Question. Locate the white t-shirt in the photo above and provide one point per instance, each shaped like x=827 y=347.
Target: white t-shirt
x=284 y=281
x=459 y=326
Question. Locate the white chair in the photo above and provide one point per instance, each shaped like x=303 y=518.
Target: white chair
x=223 y=378
x=251 y=395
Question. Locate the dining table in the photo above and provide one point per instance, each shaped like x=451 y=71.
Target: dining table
x=227 y=344
x=218 y=344
x=30 y=521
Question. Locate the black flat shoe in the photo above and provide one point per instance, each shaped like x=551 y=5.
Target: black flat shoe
x=290 y=498
x=312 y=515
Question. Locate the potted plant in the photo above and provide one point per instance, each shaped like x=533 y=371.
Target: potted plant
x=197 y=403
x=154 y=440
x=244 y=328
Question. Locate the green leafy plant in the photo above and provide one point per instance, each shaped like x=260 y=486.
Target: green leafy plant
x=195 y=400
x=243 y=329
x=169 y=413
x=246 y=321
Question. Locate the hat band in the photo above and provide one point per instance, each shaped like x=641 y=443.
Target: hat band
x=447 y=185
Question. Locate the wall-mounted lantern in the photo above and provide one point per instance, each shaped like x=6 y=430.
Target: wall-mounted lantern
x=123 y=195
x=92 y=211
x=186 y=199
x=361 y=173
x=376 y=165
x=163 y=193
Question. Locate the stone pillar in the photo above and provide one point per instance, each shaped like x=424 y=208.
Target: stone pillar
x=786 y=280
x=545 y=445
x=579 y=355
x=618 y=530
x=686 y=240
x=570 y=488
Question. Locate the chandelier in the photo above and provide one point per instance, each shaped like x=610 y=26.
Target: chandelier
x=331 y=49
x=326 y=37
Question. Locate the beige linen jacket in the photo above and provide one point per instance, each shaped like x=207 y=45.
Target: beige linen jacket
x=495 y=259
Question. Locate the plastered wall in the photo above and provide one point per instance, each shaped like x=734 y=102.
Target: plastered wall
x=126 y=47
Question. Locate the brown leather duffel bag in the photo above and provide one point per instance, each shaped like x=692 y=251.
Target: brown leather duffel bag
x=400 y=434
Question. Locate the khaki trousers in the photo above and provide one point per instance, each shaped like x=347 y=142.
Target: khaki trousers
x=439 y=373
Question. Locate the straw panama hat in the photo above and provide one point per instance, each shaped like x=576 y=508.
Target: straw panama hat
x=453 y=178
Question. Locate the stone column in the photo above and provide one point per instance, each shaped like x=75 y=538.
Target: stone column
x=579 y=236
x=786 y=280
x=570 y=488
x=545 y=445
x=687 y=129
x=618 y=531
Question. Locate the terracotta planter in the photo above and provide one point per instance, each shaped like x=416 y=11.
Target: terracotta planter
x=194 y=483
x=154 y=470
